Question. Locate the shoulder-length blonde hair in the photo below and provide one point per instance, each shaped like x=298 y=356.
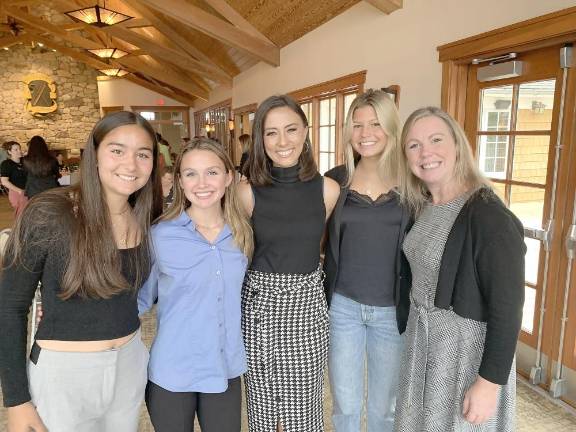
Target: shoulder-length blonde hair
x=414 y=192
x=234 y=212
x=389 y=120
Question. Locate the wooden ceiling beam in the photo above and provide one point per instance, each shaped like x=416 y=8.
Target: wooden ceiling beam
x=386 y=6
x=217 y=28
x=70 y=52
x=168 y=54
x=57 y=31
x=228 y=12
x=8 y=41
x=161 y=74
x=132 y=64
x=135 y=22
x=160 y=89
x=159 y=22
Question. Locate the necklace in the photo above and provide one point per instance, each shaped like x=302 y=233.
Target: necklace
x=123 y=240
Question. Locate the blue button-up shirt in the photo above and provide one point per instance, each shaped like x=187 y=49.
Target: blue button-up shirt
x=198 y=345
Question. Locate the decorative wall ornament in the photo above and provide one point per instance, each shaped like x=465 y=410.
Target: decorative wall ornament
x=40 y=93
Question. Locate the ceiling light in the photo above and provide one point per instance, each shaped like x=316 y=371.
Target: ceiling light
x=98 y=16
x=108 y=53
x=114 y=72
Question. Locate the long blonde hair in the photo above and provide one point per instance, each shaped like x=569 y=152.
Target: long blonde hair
x=413 y=191
x=387 y=115
x=234 y=212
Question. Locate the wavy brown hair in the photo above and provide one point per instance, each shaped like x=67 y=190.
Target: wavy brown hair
x=258 y=164
x=78 y=217
x=234 y=212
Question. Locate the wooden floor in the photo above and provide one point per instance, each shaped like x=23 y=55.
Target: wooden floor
x=6 y=213
x=535 y=412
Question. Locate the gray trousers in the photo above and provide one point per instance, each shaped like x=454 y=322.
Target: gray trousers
x=90 y=392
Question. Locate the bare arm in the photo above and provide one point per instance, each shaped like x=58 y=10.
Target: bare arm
x=9 y=185
x=331 y=194
x=246 y=196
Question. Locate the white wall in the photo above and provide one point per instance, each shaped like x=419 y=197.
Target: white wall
x=395 y=49
x=121 y=92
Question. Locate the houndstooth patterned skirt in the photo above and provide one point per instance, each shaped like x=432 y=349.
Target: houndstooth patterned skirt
x=285 y=325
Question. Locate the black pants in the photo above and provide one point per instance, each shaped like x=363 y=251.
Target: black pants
x=175 y=412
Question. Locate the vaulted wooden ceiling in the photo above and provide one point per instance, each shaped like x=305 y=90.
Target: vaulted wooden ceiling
x=179 y=48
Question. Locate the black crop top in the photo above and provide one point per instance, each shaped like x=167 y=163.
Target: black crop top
x=75 y=319
x=288 y=221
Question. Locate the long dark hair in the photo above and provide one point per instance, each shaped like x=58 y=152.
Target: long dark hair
x=258 y=161
x=79 y=215
x=39 y=162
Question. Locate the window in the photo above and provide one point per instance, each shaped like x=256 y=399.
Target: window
x=171 y=122
x=494 y=148
x=213 y=122
x=325 y=106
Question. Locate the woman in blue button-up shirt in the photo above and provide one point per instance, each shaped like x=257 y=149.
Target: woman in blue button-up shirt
x=201 y=248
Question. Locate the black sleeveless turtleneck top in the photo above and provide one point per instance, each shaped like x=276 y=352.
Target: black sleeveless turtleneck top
x=288 y=222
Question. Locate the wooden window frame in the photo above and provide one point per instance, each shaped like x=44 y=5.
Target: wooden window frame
x=339 y=87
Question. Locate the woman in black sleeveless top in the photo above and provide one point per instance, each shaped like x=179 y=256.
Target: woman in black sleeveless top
x=285 y=320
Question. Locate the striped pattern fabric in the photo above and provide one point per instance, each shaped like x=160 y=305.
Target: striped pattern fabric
x=285 y=326
x=443 y=350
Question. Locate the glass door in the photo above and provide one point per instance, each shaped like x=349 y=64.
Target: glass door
x=516 y=124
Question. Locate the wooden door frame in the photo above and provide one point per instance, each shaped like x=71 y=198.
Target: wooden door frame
x=551 y=29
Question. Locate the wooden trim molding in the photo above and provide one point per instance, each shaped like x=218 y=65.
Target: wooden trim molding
x=224 y=103
x=456 y=57
x=336 y=85
x=545 y=30
x=245 y=109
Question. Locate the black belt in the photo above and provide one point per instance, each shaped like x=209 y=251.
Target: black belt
x=35 y=353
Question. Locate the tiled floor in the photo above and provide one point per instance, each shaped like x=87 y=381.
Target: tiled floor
x=535 y=412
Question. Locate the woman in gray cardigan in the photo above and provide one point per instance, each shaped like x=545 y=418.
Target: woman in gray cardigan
x=466 y=253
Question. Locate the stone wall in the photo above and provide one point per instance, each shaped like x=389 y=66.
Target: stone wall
x=76 y=95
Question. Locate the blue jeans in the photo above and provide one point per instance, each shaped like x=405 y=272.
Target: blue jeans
x=359 y=332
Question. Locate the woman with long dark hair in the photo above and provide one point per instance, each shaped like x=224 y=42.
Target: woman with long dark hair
x=88 y=246
x=285 y=318
x=42 y=168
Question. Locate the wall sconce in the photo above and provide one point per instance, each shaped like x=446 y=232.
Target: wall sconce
x=231 y=125
x=209 y=127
